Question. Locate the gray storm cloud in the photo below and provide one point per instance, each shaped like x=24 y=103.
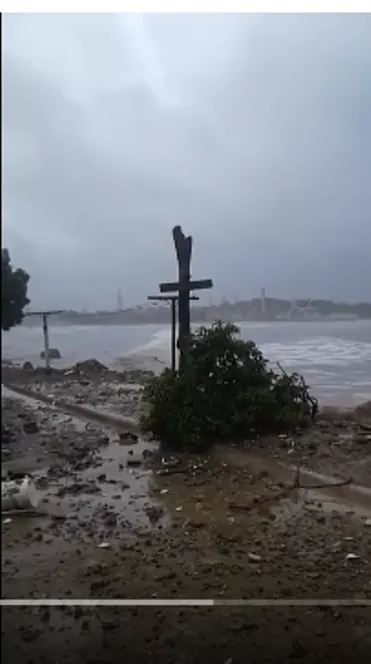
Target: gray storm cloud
x=253 y=131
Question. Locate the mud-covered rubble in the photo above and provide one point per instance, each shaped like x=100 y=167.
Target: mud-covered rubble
x=111 y=396
x=91 y=370
x=120 y=519
x=84 y=473
x=340 y=446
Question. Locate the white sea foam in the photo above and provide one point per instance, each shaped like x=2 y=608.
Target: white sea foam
x=153 y=355
x=323 y=351
x=335 y=358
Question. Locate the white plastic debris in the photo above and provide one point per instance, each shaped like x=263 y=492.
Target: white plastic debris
x=163 y=491
x=179 y=509
x=351 y=556
x=254 y=557
x=19 y=495
x=368 y=522
x=6 y=521
x=104 y=545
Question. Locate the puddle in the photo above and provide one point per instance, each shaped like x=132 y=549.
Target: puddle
x=107 y=492
x=114 y=489
x=124 y=496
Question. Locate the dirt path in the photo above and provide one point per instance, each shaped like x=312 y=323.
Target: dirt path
x=221 y=527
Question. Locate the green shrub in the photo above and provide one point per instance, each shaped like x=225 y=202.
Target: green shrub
x=226 y=391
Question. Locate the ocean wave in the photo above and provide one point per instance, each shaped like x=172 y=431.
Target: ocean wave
x=322 y=351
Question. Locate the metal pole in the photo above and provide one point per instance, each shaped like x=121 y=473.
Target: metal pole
x=173 y=334
x=173 y=299
x=46 y=342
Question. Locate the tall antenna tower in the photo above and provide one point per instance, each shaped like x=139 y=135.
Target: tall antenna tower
x=263 y=309
x=119 y=300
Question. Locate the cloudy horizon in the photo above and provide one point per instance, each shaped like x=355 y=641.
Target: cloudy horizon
x=251 y=131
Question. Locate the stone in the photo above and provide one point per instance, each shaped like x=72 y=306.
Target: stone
x=30 y=426
x=128 y=437
x=134 y=462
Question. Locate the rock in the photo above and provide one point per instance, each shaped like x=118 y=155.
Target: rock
x=154 y=513
x=197 y=521
x=128 y=437
x=111 y=519
x=365 y=427
x=54 y=354
x=313 y=445
x=147 y=454
x=7 y=435
x=361 y=438
x=91 y=365
x=30 y=426
x=134 y=462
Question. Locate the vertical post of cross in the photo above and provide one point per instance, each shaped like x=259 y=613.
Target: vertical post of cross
x=184 y=286
x=183 y=248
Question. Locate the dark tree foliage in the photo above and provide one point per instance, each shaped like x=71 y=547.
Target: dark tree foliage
x=13 y=292
x=226 y=391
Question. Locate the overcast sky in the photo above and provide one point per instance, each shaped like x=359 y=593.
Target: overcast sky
x=251 y=131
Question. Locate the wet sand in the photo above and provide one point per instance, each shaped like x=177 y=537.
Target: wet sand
x=226 y=526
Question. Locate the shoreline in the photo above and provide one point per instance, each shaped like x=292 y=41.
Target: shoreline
x=165 y=322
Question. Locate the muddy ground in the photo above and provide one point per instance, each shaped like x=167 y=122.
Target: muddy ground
x=227 y=526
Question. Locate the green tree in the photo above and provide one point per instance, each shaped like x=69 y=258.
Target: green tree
x=227 y=391
x=14 y=298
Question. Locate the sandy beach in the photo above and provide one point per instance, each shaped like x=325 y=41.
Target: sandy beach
x=117 y=519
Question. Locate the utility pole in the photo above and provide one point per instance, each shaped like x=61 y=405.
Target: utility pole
x=119 y=300
x=44 y=315
x=173 y=299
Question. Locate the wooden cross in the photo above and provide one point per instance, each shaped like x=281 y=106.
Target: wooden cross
x=184 y=285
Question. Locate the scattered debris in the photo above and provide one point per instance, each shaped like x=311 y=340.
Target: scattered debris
x=128 y=437
x=30 y=426
x=134 y=462
x=254 y=558
x=19 y=495
x=88 y=366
